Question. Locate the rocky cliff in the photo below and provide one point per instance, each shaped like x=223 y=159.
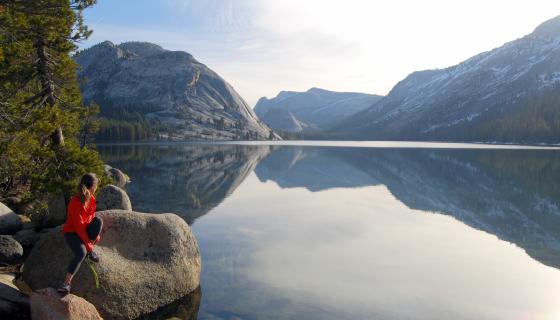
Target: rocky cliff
x=169 y=89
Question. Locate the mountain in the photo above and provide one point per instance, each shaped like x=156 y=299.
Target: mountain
x=283 y=119
x=509 y=94
x=314 y=109
x=170 y=90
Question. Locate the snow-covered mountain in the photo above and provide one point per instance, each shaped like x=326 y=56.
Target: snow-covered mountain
x=487 y=97
x=168 y=87
x=314 y=109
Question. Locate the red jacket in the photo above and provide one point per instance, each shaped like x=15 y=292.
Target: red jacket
x=78 y=217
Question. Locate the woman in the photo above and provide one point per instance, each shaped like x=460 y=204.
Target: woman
x=82 y=227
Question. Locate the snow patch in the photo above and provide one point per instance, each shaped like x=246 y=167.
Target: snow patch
x=548 y=80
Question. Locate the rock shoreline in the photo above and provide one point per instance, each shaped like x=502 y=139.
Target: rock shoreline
x=149 y=266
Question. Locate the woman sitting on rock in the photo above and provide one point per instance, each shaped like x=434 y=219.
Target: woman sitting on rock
x=82 y=227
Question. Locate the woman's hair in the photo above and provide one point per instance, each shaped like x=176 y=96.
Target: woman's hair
x=86 y=182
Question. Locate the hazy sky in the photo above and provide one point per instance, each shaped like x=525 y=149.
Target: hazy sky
x=264 y=46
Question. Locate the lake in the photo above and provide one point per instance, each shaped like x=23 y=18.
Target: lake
x=351 y=230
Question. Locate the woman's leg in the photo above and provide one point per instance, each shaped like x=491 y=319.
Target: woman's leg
x=93 y=229
x=79 y=251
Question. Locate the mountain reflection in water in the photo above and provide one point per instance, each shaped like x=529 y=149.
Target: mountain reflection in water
x=187 y=180
x=311 y=224
x=512 y=194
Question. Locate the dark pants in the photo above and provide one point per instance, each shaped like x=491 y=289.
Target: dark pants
x=78 y=248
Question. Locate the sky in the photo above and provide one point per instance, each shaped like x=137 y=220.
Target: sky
x=262 y=47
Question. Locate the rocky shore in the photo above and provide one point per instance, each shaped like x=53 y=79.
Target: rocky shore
x=149 y=264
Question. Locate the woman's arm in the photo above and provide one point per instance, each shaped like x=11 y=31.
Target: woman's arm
x=75 y=218
x=93 y=204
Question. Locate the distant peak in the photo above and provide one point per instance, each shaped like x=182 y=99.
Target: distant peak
x=140 y=44
x=142 y=48
x=105 y=43
x=315 y=89
x=549 y=28
x=262 y=99
x=99 y=47
x=285 y=94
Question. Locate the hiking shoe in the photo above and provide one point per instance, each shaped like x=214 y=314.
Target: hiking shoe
x=64 y=289
x=93 y=256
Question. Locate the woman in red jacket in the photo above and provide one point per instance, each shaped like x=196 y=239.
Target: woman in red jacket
x=82 y=227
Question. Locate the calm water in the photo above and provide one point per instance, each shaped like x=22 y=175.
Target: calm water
x=364 y=232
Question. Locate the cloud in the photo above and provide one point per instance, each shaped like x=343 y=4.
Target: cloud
x=264 y=46
x=212 y=15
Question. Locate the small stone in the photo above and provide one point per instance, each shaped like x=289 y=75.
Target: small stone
x=11 y=251
x=9 y=220
x=119 y=178
x=47 y=304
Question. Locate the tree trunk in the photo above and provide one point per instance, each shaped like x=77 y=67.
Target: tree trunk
x=47 y=84
x=57 y=138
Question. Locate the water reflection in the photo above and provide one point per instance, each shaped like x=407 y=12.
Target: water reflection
x=188 y=180
x=185 y=308
x=348 y=233
x=315 y=169
x=359 y=253
x=511 y=194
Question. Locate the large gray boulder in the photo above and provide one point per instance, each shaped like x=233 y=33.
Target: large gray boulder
x=47 y=304
x=10 y=222
x=112 y=197
x=11 y=251
x=147 y=261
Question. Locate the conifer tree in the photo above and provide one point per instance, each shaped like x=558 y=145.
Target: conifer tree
x=41 y=108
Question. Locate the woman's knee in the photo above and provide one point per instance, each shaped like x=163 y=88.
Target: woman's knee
x=94 y=228
x=98 y=222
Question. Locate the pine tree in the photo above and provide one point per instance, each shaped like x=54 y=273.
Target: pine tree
x=90 y=125
x=41 y=109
